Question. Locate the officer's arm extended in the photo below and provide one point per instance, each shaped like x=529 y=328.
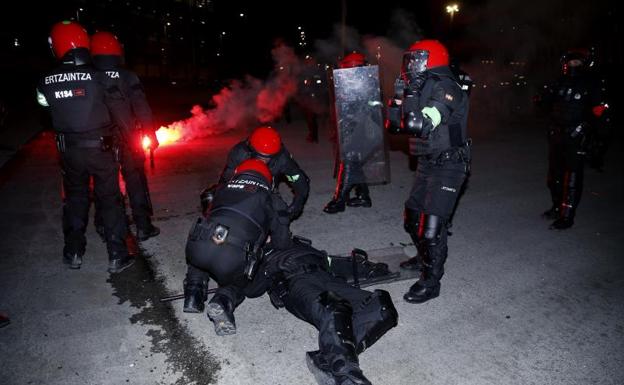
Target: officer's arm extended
x=298 y=181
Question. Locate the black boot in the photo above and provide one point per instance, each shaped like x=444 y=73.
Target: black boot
x=551 y=214
x=337 y=204
x=220 y=312
x=419 y=293
x=145 y=233
x=336 y=371
x=432 y=249
x=361 y=198
x=194 y=296
x=411 y=224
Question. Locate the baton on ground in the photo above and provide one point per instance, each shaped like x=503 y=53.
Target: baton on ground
x=176 y=297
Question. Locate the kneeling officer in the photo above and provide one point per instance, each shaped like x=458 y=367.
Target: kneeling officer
x=226 y=244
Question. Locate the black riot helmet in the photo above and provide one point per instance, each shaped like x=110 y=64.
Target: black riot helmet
x=576 y=61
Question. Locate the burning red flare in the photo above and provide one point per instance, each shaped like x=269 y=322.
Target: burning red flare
x=147 y=143
x=169 y=134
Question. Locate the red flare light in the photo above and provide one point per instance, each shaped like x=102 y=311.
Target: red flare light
x=147 y=143
x=169 y=134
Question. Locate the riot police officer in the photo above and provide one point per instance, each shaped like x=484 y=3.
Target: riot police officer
x=349 y=320
x=107 y=56
x=226 y=243
x=430 y=105
x=265 y=143
x=350 y=171
x=576 y=105
x=85 y=108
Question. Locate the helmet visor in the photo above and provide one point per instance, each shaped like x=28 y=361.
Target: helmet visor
x=414 y=62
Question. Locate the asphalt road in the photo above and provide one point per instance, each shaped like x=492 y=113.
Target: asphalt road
x=520 y=304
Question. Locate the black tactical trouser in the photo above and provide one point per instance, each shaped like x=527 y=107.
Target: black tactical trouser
x=224 y=263
x=78 y=165
x=566 y=160
x=133 y=172
x=367 y=317
x=232 y=292
x=431 y=203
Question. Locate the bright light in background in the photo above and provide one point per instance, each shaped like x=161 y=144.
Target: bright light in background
x=241 y=14
x=166 y=135
x=452 y=8
x=147 y=143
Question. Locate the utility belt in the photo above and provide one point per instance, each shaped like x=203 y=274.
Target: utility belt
x=455 y=154
x=105 y=143
x=220 y=235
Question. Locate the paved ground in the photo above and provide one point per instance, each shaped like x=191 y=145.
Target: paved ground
x=520 y=304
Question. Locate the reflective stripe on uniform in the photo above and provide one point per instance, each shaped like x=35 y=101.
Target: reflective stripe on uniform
x=41 y=99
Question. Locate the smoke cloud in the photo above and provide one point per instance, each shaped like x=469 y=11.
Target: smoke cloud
x=251 y=101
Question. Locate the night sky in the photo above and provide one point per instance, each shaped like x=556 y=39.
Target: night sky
x=207 y=39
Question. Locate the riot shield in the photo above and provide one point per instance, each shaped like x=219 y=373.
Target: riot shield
x=356 y=101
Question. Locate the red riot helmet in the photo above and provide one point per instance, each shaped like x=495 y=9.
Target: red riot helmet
x=424 y=55
x=66 y=36
x=265 y=140
x=354 y=59
x=105 y=43
x=257 y=166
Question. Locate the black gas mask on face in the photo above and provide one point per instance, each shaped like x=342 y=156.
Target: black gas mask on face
x=414 y=67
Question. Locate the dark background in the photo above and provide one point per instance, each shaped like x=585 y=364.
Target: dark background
x=169 y=42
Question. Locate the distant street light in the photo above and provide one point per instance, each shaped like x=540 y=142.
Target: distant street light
x=451 y=9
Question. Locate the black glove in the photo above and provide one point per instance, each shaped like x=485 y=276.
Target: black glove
x=294 y=211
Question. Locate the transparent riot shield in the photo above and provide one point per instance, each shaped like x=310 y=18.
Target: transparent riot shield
x=356 y=101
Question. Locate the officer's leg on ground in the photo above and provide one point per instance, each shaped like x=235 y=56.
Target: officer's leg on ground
x=221 y=306
x=133 y=171
x=106 y=186
x=442 y=191
x=195 y=287
x=572 y=183
x=75 y=206
x=373 y=313
x=336 y=360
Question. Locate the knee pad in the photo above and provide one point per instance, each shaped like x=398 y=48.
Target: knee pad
x=432 y=229
x=380 y=316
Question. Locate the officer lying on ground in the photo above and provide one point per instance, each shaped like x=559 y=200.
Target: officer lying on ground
x=349 y=320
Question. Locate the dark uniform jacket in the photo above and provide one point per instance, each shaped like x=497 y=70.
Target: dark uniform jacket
x=283 y=167
x=79 y=101
x=245 y=205
x=440 y=91
x=571 y=98
x=137 y=113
